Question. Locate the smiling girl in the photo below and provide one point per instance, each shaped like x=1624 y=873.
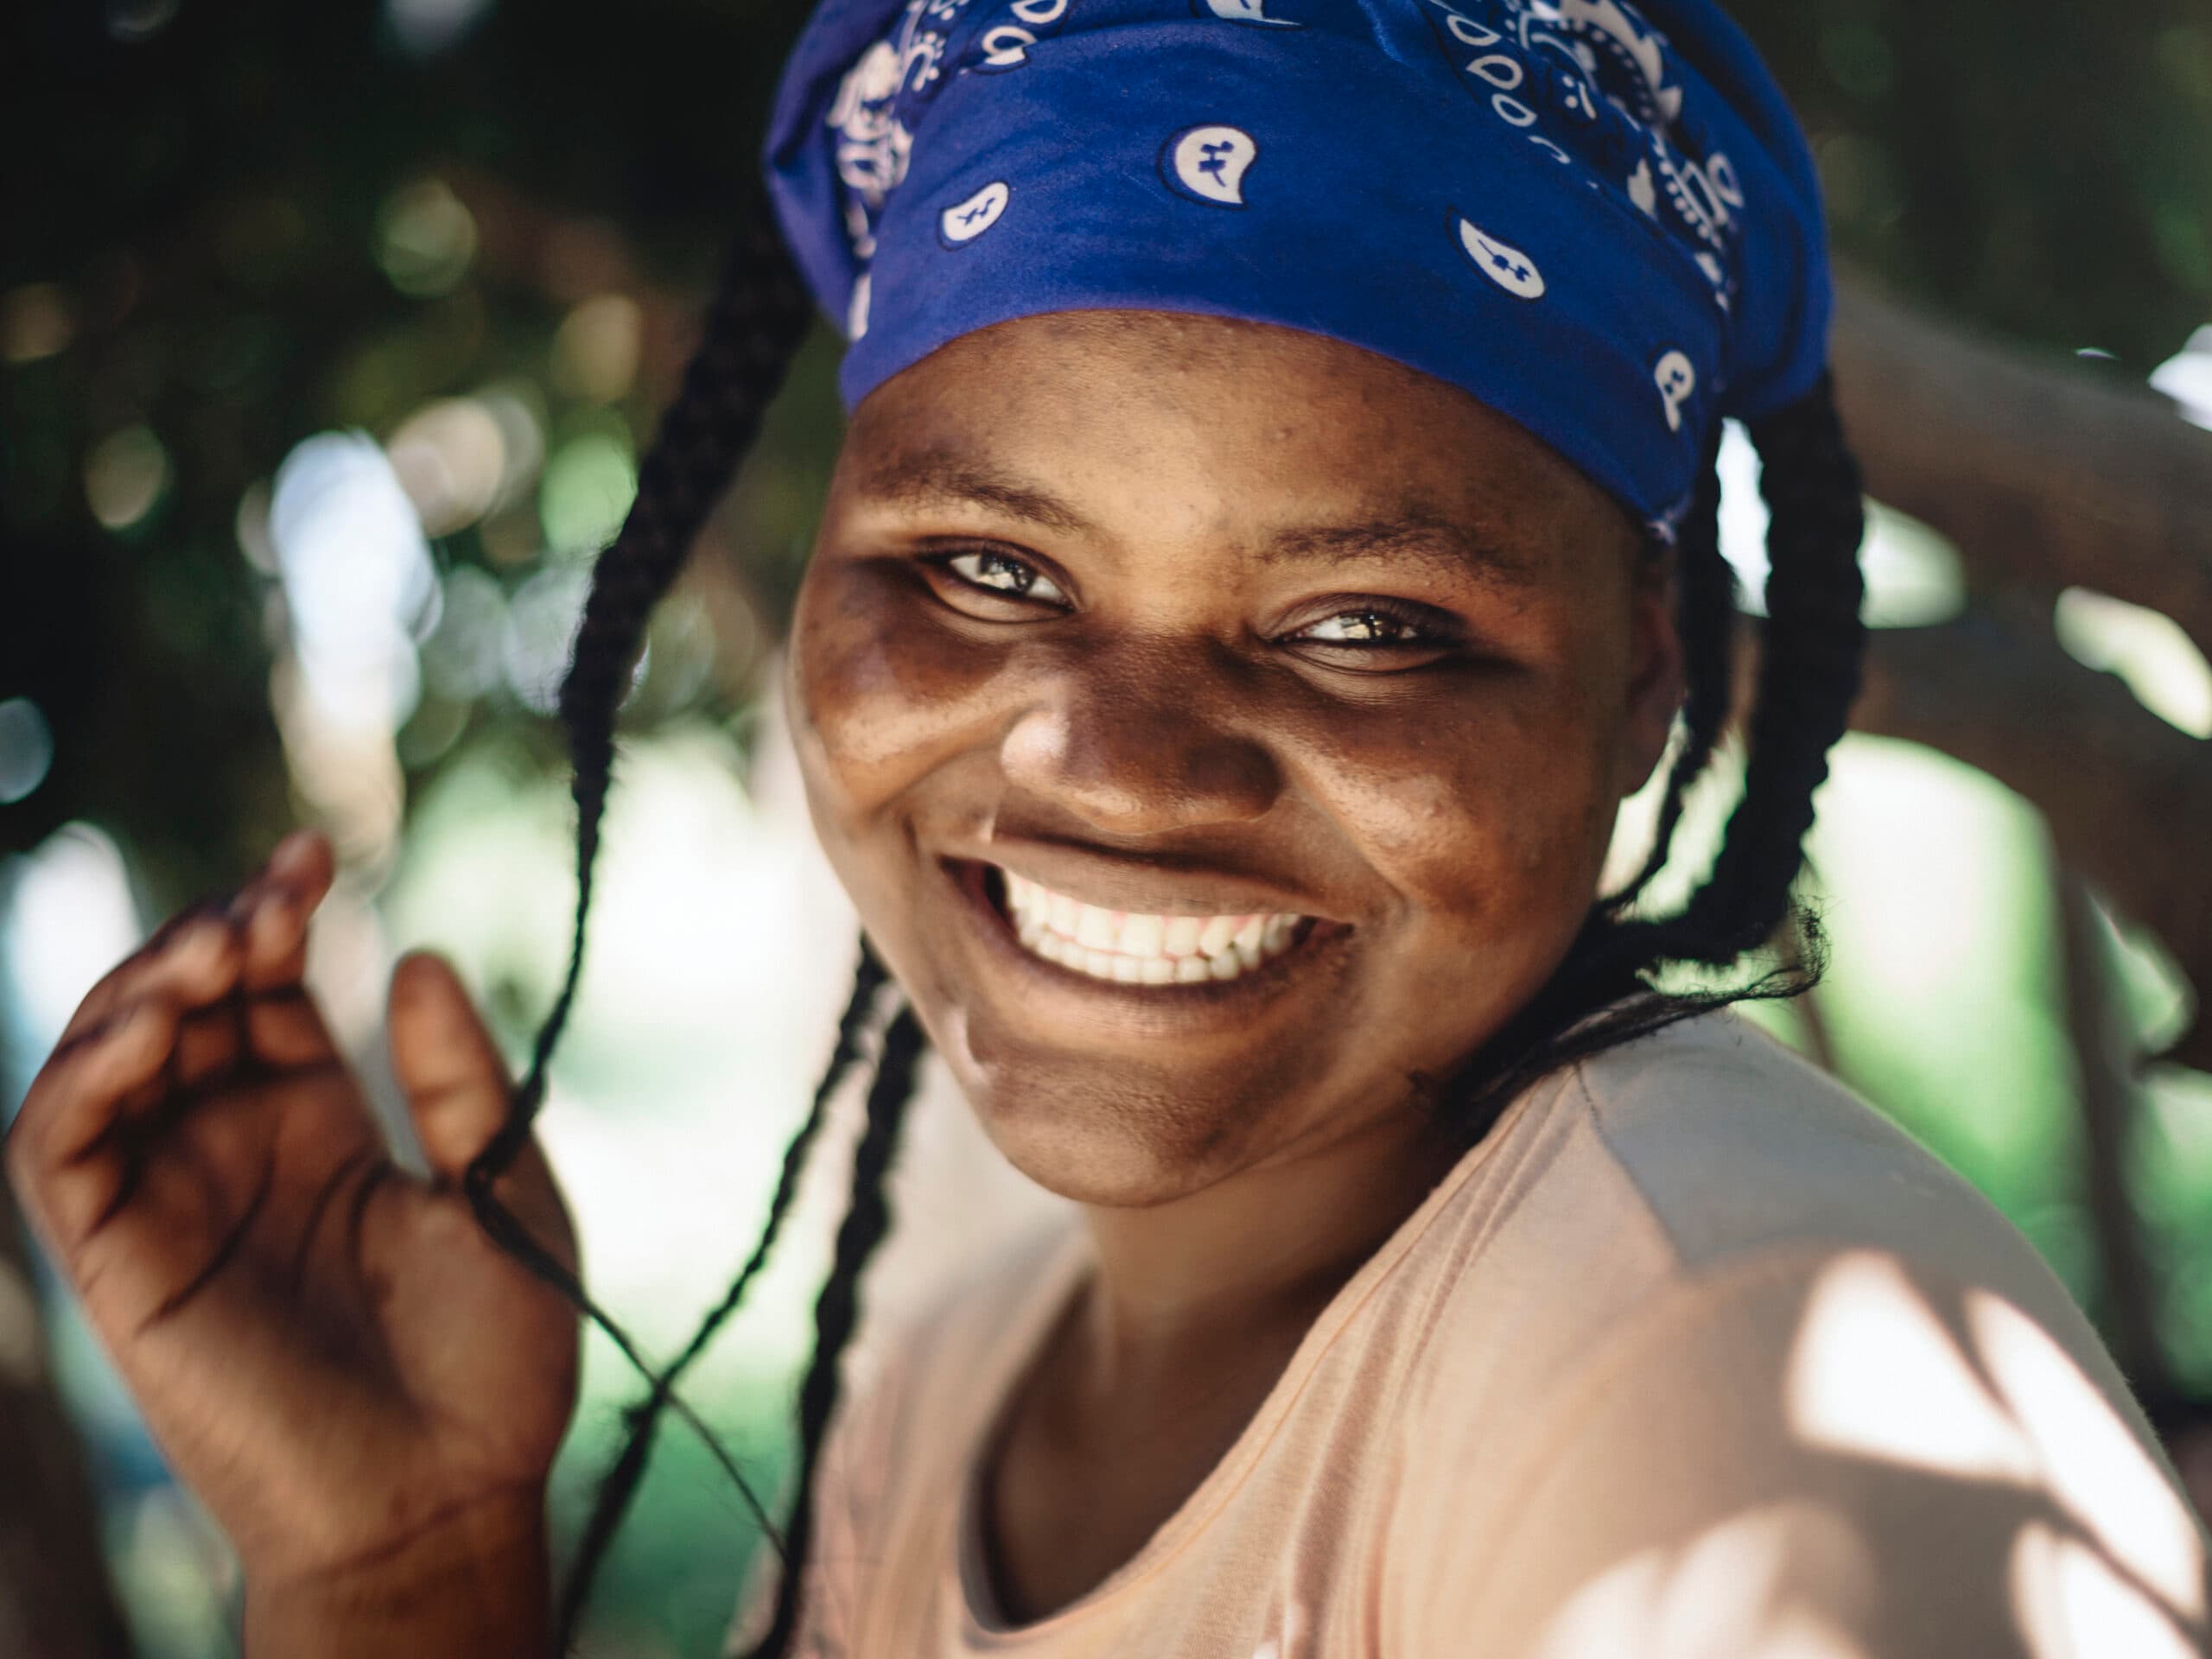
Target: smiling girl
x=1274 y=533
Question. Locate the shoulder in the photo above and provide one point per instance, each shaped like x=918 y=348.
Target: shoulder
x=1702 y=1151
x=1776 y=1332
x=1734 y=1146
x=1834 y=1442
x=1687 y=1167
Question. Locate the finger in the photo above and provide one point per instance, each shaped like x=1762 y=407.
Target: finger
x=457 y=1093
x=274 y=909
x=64 y=1155
x=194 y=955
x=278 y=1030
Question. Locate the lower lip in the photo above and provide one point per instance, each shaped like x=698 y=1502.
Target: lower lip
x=1314 y=945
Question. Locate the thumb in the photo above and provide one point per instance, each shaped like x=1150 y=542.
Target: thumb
x=457 y=1090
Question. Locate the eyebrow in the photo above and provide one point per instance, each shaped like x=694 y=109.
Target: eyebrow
x=1415 y=535
x=934 y=478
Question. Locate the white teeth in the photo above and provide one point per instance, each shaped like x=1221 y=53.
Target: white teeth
x=1134 y=949
x=1141 y=936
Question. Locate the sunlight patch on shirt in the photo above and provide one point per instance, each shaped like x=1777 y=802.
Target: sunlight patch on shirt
x=2091 y=1463
x=1874 y=1374
x=2071 y=1606
x=1721 y=1593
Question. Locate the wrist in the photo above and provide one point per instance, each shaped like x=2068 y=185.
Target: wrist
x=476 y=1582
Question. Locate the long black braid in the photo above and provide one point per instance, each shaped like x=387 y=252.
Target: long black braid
x=752 y=329
x=1599 y=997
x=1705 y=618
x=616 y=1487
x=868 y=1218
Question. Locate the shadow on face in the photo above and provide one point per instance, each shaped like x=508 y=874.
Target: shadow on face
x=1216 y=726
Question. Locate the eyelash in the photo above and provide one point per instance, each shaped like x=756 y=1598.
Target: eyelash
x=1420 y=621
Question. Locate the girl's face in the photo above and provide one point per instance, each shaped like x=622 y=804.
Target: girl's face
x=1122 y=623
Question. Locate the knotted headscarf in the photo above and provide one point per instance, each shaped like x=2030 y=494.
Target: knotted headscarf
x=1601 y=220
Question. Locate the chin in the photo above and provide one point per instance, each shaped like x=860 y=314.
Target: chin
x=1093 y=1133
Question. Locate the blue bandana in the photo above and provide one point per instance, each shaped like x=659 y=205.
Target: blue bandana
x=1600 y=220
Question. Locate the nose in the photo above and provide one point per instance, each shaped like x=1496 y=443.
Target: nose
x=1140 y=746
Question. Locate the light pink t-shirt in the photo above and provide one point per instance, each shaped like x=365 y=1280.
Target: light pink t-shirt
x=1696 y=1356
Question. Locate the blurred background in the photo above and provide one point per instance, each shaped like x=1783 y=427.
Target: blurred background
x=329 y=336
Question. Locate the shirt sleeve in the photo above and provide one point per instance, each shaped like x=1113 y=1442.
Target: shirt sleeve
x=1837 y=1456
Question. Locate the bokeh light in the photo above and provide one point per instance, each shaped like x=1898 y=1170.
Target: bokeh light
x=425 y=27
x=1913 y=575
x=125 y=476
x=26 y=749
x=589 y=482
x=2186 y=378
x=67 y=916
x=133 y=20
x=450 y=457
x=541 y=621
x=356 y=574
x=596 y=348
x=2146 y=648
x=37 y=320
x=462 y=660
x=426 y=238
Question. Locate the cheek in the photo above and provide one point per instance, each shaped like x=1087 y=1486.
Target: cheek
x=879 y=696
x=1487 y=814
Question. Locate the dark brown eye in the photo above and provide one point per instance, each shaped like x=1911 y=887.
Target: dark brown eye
x=1001 y=573
x=1365 y=628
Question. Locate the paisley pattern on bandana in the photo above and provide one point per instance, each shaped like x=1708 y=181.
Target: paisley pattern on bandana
x=1598 y=217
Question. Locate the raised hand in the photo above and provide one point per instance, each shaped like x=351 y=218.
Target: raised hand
x=327 y=1349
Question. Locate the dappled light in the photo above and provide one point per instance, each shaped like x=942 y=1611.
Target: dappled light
x=2072 y=1605
x=1730 y=1591
x=2088 y=1460
x=1873 y=1373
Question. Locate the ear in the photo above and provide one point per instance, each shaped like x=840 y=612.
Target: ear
x=1657 y=679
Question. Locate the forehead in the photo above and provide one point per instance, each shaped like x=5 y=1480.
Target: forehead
x=1256 y=421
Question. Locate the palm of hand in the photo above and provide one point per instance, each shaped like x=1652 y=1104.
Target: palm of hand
x=330 y=1350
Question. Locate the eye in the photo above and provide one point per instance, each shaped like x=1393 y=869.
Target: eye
x=1364 y=627
x=1376 y=634
x=991 y=571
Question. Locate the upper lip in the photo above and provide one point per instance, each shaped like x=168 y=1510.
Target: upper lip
x=1145 y=886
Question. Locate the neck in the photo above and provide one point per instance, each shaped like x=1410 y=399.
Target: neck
x=1248 y=1261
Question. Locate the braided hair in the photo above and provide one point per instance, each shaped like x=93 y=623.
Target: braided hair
x=1601 y=996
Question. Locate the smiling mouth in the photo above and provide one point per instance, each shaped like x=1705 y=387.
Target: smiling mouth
x=1133 y=948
